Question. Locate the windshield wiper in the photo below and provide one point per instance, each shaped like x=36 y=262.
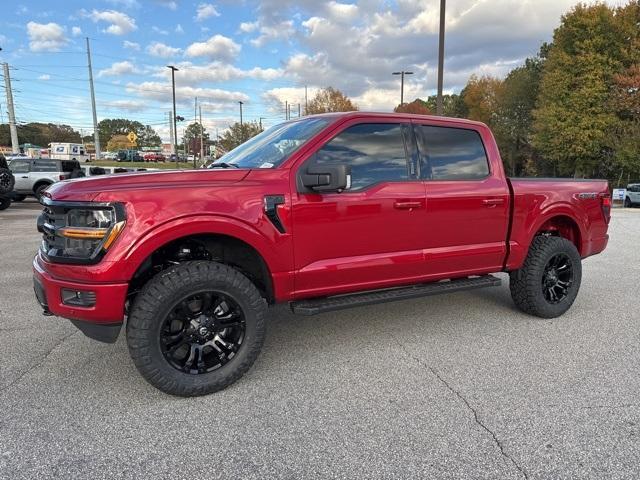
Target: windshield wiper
x=223 y=165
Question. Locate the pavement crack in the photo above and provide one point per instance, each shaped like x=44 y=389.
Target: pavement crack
x=461 y=397
x=39 y=362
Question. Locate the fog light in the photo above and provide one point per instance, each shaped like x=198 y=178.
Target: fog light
x=78 y=298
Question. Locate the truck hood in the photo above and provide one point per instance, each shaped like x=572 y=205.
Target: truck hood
x=89 y=188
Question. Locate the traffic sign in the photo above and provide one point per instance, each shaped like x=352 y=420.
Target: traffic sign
x=132 y=137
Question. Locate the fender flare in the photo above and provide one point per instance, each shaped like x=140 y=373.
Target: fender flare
x=563 y=209
x=185 y=226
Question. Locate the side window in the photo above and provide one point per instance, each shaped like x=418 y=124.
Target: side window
x=375 y=151
x=19 y=166
x=44 y=166
x=451 y=153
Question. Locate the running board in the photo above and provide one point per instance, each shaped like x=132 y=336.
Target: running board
x=328 y=304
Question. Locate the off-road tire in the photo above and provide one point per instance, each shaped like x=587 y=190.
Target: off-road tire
x=153 y=304
x=18 y=198
x=7 y=181
x=627 y=202
x=526 y=283
x=5 y=202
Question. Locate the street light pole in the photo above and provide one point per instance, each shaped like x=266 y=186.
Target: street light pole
x=439 y=106
x=402 y=74
x=173 y=89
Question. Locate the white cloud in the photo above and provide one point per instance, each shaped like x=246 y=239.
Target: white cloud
x=179 y=29
x=206 y=10
x=117 y=69
x=217 y=47
x=161 y=91
x=159 y=30
x=131 y=45
x=119 y=23
x=170 y=4
x=343 y=12
x=130 y=4
x=44 y=77
x=280 y=31
x=45 y=37
x=248 y=27
x=158 y=49
x=189 y=74
x=76 y=31
x=127 y=105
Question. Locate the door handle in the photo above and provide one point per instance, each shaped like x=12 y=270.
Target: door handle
x=408 y=204
x=492 y=202
x=24 y=177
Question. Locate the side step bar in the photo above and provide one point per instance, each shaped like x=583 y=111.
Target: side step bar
x=328 y=304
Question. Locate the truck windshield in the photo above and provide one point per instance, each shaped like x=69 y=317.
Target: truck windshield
x=271 y=147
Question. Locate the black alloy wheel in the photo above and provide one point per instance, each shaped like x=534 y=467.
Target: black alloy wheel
x=557 y=278
x=203 y=332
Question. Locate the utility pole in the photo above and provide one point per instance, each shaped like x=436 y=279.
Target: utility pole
x=96 y=135
x=241 y=103
x=289 y=112
x=175 y=131
x=402 y=74
x=306 y=102
x=439 y=106
x=298 y=110
x=201 y=138
x=286 y=110
x=171 y=134
x=260 y=121
x=15 y=146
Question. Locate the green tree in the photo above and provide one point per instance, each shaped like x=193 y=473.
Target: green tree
x=192 y=137
x=574 y=120
x=330 y=100
x=109 y=127
x=452 y=105
x=238 y=134
x=41 y=134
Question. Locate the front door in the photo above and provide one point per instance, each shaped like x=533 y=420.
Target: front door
x=20 y=170
x=370 y=235
x=467 y=204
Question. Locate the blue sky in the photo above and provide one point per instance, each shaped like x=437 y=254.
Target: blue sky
x=262 y=53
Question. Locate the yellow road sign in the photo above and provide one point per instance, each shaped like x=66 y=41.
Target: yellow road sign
x=132 y=137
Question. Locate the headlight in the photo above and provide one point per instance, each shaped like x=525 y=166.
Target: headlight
x=79 y=233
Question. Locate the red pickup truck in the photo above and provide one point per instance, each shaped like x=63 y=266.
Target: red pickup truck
x=324 y=212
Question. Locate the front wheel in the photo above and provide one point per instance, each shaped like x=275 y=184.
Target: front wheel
x=196 y=328
x=548 y=282
x=5 y=202
x=627 y=202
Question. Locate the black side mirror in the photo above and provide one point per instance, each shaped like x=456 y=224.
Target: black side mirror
x=327 y=178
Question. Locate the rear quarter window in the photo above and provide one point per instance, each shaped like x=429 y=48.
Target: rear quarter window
x=448 y=153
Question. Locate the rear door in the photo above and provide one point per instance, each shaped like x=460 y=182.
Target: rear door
x=467 y=204
x=371 y=234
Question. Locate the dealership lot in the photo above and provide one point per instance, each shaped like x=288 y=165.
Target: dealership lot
x=455 y=386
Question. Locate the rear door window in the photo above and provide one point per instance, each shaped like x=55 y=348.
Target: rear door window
x=375 y=152
x=44 y=166
x=451 y=153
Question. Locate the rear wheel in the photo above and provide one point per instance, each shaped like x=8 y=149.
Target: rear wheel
x=5 y=202
x=18 y=198
x=627 y=202
x=196 y=328
x=548 y=282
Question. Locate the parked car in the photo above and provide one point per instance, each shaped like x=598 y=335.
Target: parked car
x=34 y=175
x=154 y=157
x=632 y=195
x=110 y=155
x=129 y=156
x=324 y=212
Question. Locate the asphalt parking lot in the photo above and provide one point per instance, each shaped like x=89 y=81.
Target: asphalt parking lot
x=455 y=386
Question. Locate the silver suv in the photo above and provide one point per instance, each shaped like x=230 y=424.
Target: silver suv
x=34 y=175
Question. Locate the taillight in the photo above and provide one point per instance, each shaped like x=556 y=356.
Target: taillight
x=605 y=204
x=63 y=177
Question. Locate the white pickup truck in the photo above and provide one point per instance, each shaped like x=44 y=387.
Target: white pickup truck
x=34 y=175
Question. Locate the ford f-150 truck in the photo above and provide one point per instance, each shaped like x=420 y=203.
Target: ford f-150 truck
x=323 y=212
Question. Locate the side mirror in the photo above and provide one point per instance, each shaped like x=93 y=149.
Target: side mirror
x=327 y=178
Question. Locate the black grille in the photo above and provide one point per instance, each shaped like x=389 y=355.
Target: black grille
x=53 y=218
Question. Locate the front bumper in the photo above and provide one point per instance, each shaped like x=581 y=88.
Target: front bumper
x=102 y=321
